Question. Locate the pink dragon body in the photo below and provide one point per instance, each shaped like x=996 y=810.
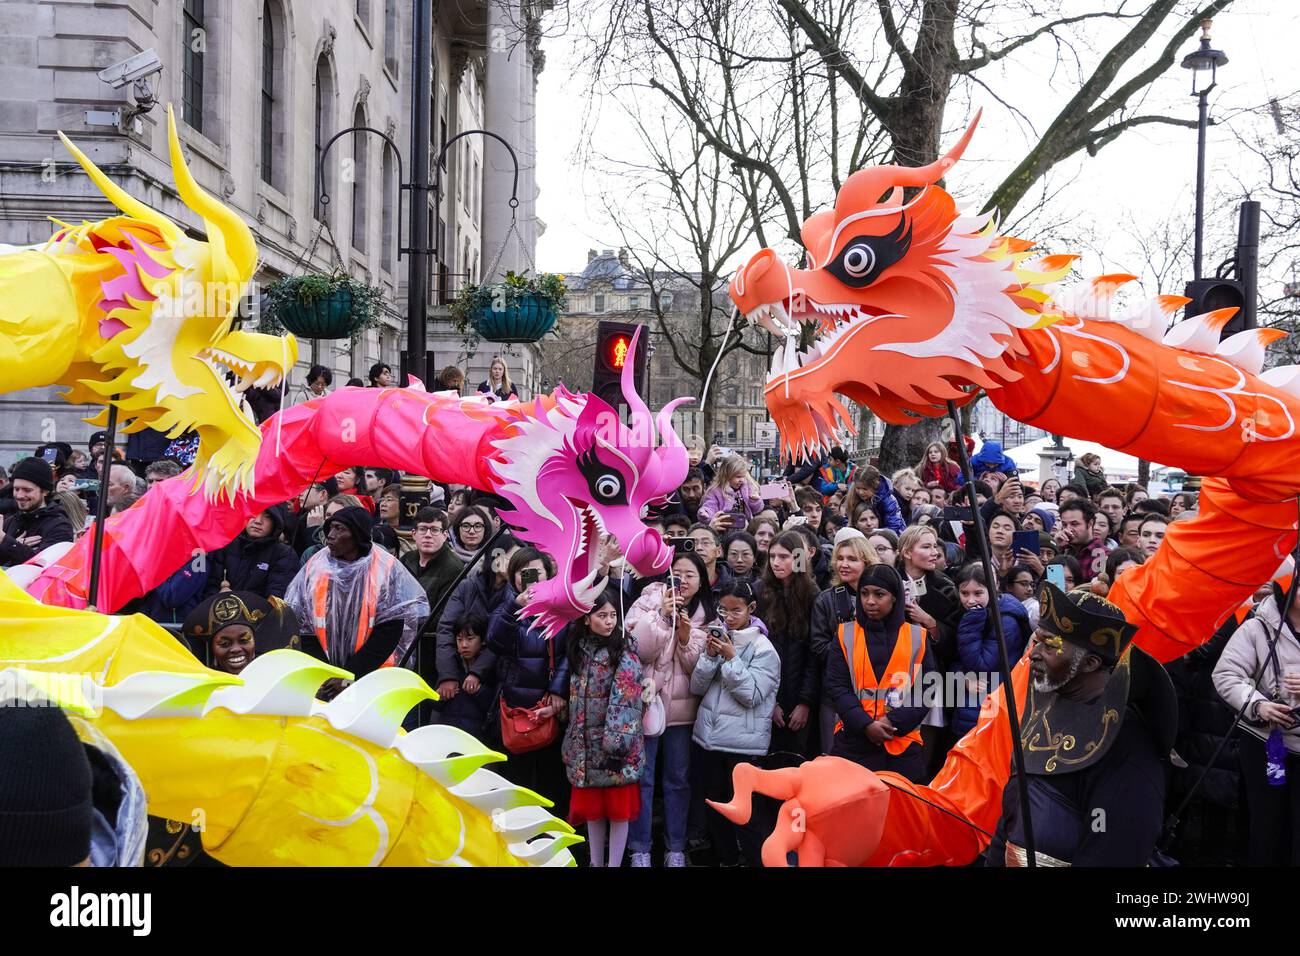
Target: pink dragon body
x=568 y=466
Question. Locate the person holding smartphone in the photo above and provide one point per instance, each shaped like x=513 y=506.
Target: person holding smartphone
x=1259 y=675
x=530 y=668
x=931 y=602
x=850 y=556
x=666 y=625
x=736 y=679
x=733 y=492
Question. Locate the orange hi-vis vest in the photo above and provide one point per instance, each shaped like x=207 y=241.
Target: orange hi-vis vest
x=902 y=673
x=365 y=620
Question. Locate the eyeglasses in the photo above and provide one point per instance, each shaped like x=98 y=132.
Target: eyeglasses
x=476 y=526
x=430 y=529
x=732 y=611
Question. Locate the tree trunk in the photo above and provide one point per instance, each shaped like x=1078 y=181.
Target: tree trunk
x=903 y=445
x=1144 y=472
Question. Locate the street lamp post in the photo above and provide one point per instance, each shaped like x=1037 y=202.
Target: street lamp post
x=1199 y=61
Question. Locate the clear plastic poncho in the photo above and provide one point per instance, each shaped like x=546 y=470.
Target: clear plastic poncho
x=397 y=595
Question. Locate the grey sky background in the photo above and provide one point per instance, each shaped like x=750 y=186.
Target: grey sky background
x=1131 y=187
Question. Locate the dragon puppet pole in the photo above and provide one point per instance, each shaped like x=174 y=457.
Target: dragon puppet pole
x=101 y=509
x=1004 y=663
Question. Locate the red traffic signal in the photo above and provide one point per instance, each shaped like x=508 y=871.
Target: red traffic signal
x=616 y=349
x=614 y=353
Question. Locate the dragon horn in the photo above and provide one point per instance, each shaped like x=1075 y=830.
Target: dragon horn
x=664 y=422
x=627 y=381
x=231 y=240
x=865 y=187
x=119 y=197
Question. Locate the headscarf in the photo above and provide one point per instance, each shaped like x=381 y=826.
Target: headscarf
x=882 y=576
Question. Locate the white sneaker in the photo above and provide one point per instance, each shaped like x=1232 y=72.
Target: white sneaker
x=641 y=860
x=674 y=858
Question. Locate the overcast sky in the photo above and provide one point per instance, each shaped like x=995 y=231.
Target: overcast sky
x=1145 y=174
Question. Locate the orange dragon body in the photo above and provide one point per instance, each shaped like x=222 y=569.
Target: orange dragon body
x=914 y=305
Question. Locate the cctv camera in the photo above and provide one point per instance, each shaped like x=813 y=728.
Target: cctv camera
x=136 y=68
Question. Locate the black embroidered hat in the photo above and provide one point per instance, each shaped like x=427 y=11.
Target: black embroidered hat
x=1085 y=620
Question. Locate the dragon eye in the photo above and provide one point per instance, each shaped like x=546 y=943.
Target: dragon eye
x=858 y=260
x=603 y=481
x=864 y=258
x=607 y=486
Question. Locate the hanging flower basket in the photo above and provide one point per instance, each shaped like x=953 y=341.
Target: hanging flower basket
x=517 y=310
x=316 y=306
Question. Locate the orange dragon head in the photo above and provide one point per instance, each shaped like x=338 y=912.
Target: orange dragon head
x=909 y=301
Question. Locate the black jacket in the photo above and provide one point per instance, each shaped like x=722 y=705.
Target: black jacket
x=49 y=521
x=435 y=577
x=264 y=566
x=525 y=664
x=472 y=713
x=941 y=602
x=799 y=678
x=477 y=594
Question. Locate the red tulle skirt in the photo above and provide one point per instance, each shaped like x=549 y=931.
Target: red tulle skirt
x=604 y=803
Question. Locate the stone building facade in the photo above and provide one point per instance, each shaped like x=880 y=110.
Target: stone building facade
x=258 y=87
x=610 y=287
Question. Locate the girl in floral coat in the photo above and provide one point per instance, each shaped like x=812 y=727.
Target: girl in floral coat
x=604 y=750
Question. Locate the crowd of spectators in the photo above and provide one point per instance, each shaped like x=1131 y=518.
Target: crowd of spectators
x=782 y=600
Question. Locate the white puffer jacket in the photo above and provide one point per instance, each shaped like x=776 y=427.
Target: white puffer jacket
x=735 y=714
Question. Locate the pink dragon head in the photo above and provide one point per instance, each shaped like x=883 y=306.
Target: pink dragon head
x=575 y=472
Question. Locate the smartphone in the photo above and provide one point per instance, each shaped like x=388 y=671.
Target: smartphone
x=719 y=633
x=909 y=591
x=775 y=491
x=50 y=455
x=85 y=484
x=1056 y=574
x=530 y=576
x=681 y=545
x=1024 y=541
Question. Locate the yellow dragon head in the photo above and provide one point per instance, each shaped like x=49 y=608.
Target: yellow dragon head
x=157 y=308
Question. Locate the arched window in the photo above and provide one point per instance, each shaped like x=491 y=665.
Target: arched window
x=194 y=40
x=360 y=180
x=273 y=77
x=389 y=210
x=324 y=128
x=391 y=26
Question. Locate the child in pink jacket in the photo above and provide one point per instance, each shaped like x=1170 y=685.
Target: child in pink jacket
x=666 y=626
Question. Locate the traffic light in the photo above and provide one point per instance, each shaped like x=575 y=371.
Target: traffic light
x=1210 y=294
x=613 y=353
x=1240 y=291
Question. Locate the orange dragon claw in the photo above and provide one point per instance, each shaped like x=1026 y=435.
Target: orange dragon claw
x=747 y=779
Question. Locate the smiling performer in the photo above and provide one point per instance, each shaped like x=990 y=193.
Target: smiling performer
x=1100 y=717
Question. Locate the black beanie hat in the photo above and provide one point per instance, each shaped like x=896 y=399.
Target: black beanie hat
x=98 y=438
x=357 y=520
x=35 y=470
x=45 y=788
